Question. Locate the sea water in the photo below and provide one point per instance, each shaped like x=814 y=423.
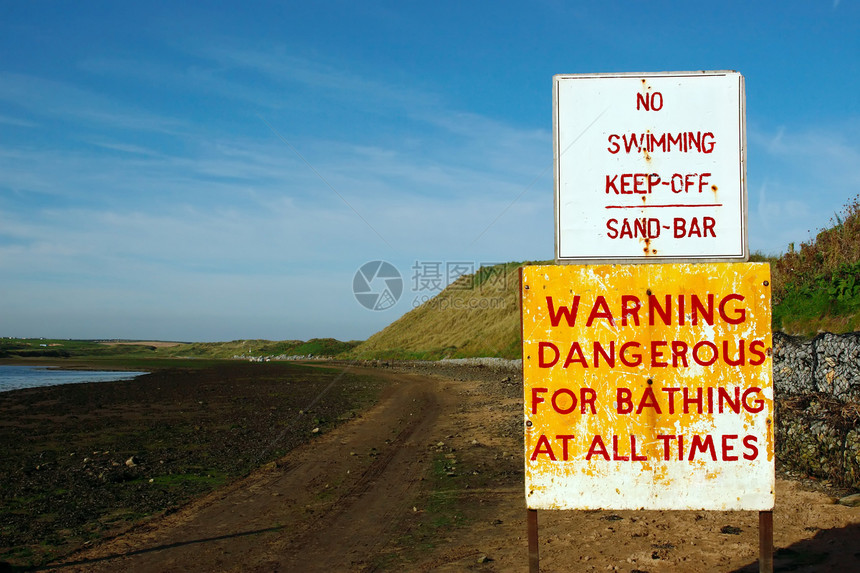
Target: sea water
x=16 y=377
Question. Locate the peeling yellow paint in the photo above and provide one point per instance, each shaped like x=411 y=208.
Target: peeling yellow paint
x=648 y=386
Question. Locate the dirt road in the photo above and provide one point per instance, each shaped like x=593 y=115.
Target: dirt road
x=431 y=480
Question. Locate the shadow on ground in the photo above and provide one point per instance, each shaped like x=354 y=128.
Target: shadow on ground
x=151 y=549
x=828 y=550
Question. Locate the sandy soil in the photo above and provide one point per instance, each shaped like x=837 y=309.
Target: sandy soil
x=430 y=479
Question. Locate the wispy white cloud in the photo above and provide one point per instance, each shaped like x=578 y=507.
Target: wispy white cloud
x=273 y=78
x=212 y=223
x=819 y=150
x=124 y=147
x=409 y=197
x=798 y=180
x=18 y=122
x=326 y=79
x=52 y=98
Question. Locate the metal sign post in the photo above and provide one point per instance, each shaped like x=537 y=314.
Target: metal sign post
x=534 y=551
x=765 y=541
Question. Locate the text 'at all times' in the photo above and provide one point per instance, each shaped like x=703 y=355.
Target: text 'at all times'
x=585 y=401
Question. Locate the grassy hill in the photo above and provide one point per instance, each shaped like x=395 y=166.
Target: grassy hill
x=816 y=287
x=477 y=315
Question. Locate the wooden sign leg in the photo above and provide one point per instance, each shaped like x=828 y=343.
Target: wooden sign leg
x=765 y=541
x=534 y=556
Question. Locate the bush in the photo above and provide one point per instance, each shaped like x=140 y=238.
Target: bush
x=818 y=285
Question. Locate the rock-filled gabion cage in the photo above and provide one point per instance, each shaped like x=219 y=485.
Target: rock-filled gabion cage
x=817 y=388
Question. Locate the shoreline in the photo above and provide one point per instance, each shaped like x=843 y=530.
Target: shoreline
x=88 y=460
x=28 y=376
x=76 y=365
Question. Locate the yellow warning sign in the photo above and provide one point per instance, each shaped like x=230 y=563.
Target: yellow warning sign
x=648 y=386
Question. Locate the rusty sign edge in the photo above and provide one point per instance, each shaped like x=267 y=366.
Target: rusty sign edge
x=743 y=256
x=763 y=498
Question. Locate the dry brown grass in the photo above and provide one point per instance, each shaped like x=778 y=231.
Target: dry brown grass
x=478 y=315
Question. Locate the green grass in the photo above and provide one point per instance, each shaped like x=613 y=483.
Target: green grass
x=24 y=555
x=149 y=356
x=207 y=479
x=817 y=286
x=806 y=309
x=442 y=507
x=440 y=513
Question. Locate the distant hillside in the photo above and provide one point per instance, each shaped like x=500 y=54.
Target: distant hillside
x=260 y=348
x=477 y=315
x=59 y=348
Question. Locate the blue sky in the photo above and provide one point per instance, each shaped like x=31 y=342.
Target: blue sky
x=150 y=185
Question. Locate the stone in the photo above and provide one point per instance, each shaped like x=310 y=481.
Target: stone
x=852 y=500
x=132 y=461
